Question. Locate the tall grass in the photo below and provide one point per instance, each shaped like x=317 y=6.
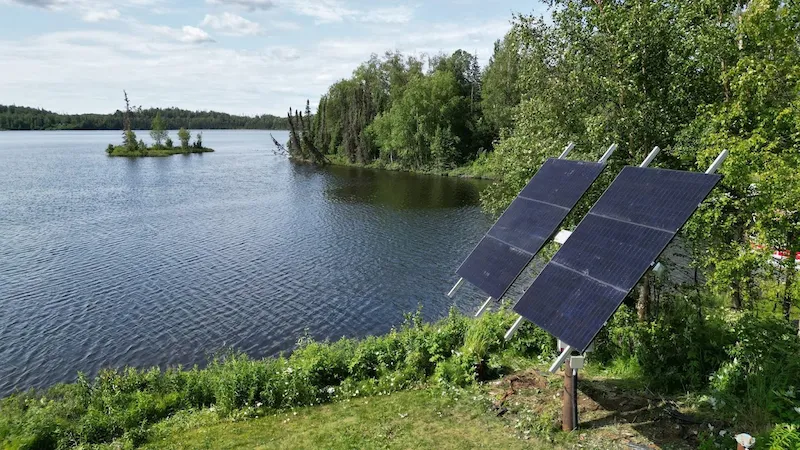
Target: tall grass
x=126 y=403
x=746 y=366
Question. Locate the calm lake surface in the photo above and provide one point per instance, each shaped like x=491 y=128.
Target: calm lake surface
x=107 y=262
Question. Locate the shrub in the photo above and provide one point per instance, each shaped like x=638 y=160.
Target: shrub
x=783 y=436
x=184 y=136
x=678 y=352
x=110 y=149
x=760 y=378
x=168 y=143
x=126 y=403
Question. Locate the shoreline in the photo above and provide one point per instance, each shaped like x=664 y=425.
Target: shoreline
x=468 y=171
x=120 y=152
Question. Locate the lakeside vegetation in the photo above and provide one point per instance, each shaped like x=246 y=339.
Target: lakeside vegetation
x=741 y=385
x=162 y=143
x=14 y=117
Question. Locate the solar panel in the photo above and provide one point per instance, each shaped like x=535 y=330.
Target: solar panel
x=525 y=226
x=610 y=250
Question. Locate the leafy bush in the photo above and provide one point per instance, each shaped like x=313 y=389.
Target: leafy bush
x=760 y=378
x=676 y=353
x=783 y=436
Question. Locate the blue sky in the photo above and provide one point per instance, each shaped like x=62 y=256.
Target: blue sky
x=237 y=56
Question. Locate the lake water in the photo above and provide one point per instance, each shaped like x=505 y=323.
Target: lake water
x=107 y=262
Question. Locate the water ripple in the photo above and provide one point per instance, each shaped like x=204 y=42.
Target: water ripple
x=109 y=262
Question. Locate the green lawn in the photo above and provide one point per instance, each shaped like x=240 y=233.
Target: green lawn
x=410 y=419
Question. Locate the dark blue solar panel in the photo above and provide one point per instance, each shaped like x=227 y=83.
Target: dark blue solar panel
x=562 y=182
x=527 y=224
x=610 y=250
x=493 y=265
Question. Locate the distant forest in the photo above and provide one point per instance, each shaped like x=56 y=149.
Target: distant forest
x=24 y=118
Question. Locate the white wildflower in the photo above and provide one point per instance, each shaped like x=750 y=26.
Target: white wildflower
x=331 y=390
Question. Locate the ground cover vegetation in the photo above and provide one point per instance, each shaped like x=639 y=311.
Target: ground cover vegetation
x=162 y=143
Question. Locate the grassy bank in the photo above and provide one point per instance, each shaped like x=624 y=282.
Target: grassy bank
x=752 y=387
x=479 y=168
x=120 y=150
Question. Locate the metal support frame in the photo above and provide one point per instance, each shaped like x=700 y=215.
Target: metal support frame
x=566 y=353
x=513 y=329
x=608 y=153
x=455 y=288
x=653 y=153
x=566 y=151
x=483 y=307
x=717 y=162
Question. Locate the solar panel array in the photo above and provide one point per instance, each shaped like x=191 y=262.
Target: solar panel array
x=525 y=226
x=610 y=250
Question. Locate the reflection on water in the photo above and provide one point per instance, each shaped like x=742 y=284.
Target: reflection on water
x=115 y=261
x=401 y=190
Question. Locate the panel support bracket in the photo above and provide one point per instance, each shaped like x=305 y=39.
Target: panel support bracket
x=653 y=153
x=608 y=153
x=561 y=358
x=455 y=287
x=483 y=307
x=566 y=151
x=717 y=162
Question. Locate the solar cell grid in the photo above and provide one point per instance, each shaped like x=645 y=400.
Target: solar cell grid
x=525 y=226
x=610 y=250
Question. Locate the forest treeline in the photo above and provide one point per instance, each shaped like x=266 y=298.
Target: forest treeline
x=694 y=78
x=25 y=118
x=413 y=112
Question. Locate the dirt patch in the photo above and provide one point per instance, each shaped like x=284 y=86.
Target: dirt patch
x=611 y=414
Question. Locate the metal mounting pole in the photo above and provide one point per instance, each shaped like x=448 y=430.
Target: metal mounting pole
x=568 y=422
x=566 y=151
x=574 y=398
x=717 y=162
x=650 y=157
x=455 y=288
x=483 y=307
x=608 y=153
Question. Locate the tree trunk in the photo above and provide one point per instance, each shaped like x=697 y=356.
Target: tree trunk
x=787 y=287
x=736 y=298
x=643 y=304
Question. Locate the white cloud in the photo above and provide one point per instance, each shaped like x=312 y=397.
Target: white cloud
x=231 y=24
x=193 y=35
x=324 y=11
x=187 y=34
x=100 y=15
x=397 y=14
x=252 y=5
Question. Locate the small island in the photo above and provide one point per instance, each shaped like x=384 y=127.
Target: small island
x=162 y=143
